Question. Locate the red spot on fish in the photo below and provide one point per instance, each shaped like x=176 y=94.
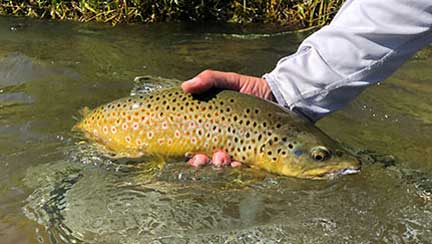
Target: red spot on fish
x=169 y=141
x=192 y=124
x=150 y=134
x=177 y=134
x=124 y=126
x=193 y=140
x=105 y=129
x=164 y=125
x=160 y=141
x=135 y=126
x=138 y=141
x=128 y=139
x=113 y=130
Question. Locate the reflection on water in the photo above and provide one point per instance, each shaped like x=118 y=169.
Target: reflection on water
x=56 y=190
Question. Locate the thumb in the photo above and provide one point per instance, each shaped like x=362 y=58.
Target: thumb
x=196 y=85
x=210 y=78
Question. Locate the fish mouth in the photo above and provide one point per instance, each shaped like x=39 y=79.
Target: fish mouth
x=337 y=173
x=326 y=173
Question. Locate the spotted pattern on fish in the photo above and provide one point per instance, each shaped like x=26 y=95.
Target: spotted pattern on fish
x=170 y=122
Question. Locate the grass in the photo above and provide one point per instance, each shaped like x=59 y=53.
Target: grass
x=299 y=13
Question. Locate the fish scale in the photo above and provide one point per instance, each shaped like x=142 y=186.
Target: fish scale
x=169 y=122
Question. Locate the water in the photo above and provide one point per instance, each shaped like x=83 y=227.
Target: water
x=56 y=190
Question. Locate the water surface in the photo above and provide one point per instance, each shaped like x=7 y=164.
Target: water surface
x=56 y=190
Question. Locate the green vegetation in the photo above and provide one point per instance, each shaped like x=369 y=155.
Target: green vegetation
x=300 y=13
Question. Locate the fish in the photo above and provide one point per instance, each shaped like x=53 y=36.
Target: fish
x=170 y=123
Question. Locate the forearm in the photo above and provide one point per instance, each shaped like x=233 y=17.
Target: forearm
x=365 y=43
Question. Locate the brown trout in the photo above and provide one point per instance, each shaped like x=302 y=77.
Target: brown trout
x=169 y=122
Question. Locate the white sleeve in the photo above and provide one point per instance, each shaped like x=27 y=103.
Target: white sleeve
x=365 y=43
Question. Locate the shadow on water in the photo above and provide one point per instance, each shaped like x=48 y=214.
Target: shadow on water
x=57 y=190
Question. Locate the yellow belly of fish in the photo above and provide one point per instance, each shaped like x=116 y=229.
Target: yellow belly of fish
x=172 y=134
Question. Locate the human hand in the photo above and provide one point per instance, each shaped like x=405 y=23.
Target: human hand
x=229 y=80
x=225 y=80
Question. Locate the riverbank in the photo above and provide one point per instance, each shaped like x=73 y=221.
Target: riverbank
x=298 y=13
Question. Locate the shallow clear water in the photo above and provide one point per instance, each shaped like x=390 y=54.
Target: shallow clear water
x=55 y=190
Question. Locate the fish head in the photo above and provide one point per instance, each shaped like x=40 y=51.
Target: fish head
x=314 y=155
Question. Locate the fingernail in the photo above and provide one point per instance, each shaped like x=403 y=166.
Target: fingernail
x=191 y=81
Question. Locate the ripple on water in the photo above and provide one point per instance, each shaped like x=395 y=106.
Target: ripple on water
x=98 y=204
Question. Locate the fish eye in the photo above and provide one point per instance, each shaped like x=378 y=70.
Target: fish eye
x=320 y=154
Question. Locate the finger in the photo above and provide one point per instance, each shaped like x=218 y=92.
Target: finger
x=196 y=85
x=198 y=160
x=210 y=78
x=236 y=164
x=221 y=159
